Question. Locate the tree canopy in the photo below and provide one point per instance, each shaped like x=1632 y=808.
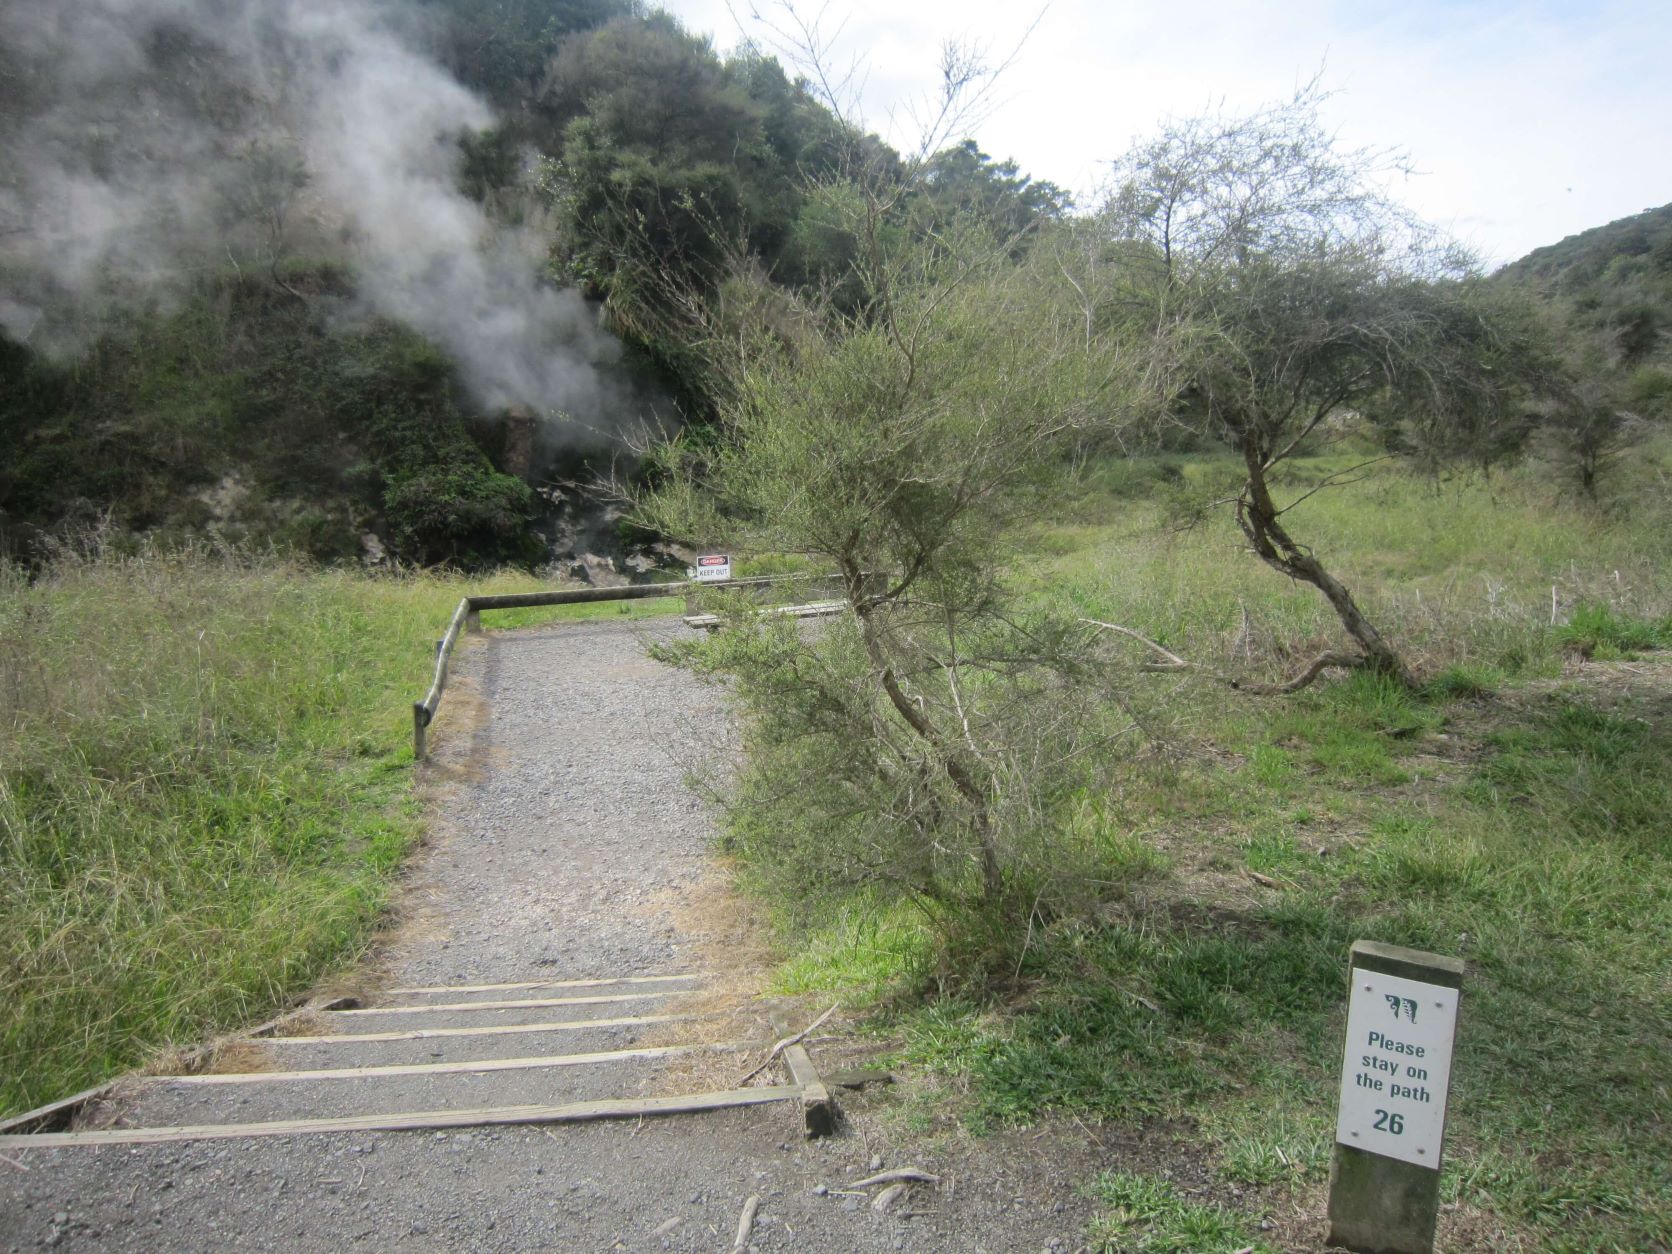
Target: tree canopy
x=1292 y=292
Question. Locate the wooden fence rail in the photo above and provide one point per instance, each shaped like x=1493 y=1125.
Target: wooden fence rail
x=468 y=618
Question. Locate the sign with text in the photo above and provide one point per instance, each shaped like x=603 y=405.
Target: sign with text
x=713 y=568
x=1397 y=1068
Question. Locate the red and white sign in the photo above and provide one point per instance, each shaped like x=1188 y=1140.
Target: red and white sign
x=713 y=568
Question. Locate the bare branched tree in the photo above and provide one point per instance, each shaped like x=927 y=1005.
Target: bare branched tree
x=261 y=191
x=1294 y=293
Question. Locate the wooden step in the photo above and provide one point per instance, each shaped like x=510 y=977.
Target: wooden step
x=441 y=1068
x=573 y=1112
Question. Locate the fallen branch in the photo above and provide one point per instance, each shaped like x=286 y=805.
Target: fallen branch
x=908 y=1174
x=746 y=1223
x=784 y=1044
x=882 y=1201
x=1314 y=668
x=1174 y=661
x=1317 y=666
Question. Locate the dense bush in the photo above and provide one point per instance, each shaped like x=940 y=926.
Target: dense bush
x=261 y=418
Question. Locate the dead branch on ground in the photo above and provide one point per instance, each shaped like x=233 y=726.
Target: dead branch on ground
x=1309 y=674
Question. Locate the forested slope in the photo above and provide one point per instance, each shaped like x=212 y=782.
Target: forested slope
x=1608 y=291
x=263 y=304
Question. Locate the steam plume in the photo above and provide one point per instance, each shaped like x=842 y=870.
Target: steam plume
x=143 y=139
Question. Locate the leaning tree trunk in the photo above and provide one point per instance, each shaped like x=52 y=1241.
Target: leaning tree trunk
x=940 y=751
x=1261 y=522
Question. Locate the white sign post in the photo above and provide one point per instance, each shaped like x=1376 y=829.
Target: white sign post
x=713 y=568
x=1395 y=1079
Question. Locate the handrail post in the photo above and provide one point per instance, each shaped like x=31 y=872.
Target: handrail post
x=473 y=621
x=420 y=730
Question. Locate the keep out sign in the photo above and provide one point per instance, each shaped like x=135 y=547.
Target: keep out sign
x=713 y=568
x=1397 y=1068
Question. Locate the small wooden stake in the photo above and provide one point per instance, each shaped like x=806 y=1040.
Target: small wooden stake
x=817 y=1109
x=420 y=727
x=1384 y=1194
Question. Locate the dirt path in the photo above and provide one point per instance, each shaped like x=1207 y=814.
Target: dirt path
x=567 y=847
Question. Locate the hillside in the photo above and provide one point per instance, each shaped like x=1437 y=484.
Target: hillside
x=292 y=299
x=1613 y=284
x=1640 y=245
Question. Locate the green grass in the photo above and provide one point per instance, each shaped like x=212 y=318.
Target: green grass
x=1505 y=814
x=1143 y=1215
x=864 y=954
x=1458 y=574
x=1599 y=631
x=1546 y=866
x=205 y=791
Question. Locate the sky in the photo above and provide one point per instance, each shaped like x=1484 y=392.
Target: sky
x=1527 y=121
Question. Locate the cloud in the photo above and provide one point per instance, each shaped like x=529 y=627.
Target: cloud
x=1505 y=105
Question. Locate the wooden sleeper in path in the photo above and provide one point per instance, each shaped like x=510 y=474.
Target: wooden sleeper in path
x=441 y=1068
x=573 y=1112
x=496 y=1029
x=522 y=1003
x=521 y=984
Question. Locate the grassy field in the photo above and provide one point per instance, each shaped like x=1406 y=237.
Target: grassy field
x=1517 y=813
x=205 y=793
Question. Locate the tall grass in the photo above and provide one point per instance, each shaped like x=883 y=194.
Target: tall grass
x=1463 y=573
x=205 y=788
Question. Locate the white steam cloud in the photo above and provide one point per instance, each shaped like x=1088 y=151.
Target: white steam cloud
x=141 y=140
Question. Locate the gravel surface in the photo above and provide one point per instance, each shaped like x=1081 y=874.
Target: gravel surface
x=566 y=845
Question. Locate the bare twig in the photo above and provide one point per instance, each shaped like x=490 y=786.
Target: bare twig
x=1316 y=667
x=784 y=1044
x=746 y=1223
x=1244 y=643
x=1174 y=661
x=1338 y=479
x=897 y=1175
x=882 y=1201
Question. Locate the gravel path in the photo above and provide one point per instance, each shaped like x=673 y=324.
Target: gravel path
x=567 y=846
